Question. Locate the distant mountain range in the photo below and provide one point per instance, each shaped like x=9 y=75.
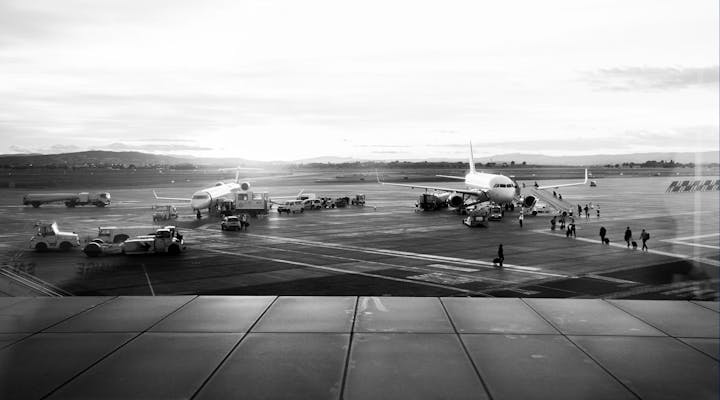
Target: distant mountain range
x=140 y=159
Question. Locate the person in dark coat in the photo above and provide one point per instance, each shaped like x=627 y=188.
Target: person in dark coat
x=628 y=236
x=500 y=256
x=603 y=232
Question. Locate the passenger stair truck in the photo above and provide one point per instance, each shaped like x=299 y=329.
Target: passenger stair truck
x=100 y=199
x=546 y=203
x=48 y=236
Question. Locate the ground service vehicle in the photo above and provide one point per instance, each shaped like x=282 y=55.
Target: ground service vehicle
x=165 y=240
x=341 y=202
x=48 y=236
x=291 y=206
x=101 y=199
x=496 y=213
x=358 y=200
x=230 y=222
x=477 y=217
x=432 y=201
x=164 y=212
x=110 y=238
x=312 y=204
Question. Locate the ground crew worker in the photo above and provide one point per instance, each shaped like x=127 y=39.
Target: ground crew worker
x=520 y=219
x=603 y=232
x=244 y=222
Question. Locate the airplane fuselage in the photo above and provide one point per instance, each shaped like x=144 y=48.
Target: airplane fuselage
x=499 y=188
x=208 y=197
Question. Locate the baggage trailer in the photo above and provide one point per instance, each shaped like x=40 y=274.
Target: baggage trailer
x=100 y=199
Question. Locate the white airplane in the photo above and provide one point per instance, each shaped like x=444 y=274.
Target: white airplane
x=212 y=196
x=482 y=187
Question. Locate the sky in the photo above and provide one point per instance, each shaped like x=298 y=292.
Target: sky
x=289 y=80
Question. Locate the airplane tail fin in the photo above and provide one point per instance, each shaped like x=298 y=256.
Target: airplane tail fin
x=472 y=160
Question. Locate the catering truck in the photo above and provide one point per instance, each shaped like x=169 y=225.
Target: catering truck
x=100 y=199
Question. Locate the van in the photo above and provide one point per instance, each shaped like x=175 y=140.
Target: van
x=291 y=206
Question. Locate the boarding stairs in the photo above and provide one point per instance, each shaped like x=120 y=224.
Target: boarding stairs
x=554 y=202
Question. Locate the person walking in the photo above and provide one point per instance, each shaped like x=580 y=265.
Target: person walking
x=644 y=236
x=553 y=222
x=628 y=236
x=520 y=219
x=500 y=256
x=603 y=232
x=579 y=211
x=587 y=212
x=572 y=229
x=598 y=211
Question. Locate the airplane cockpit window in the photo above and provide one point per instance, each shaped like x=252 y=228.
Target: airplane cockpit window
x=200 y=197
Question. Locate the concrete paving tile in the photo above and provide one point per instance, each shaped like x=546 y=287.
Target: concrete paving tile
x=539 y=367
x=655 y=367
x=8 y=301
x=401 y=314
x=123 y=314
x=713 y=305
x=38 y=313
x=153 y=366
x=676 y=318
x=590 y=317
x=485 y=315
x=216 y=314
x=708 y=346
x=410 y=366
x=282 y=366
x=308 y=314
x=41 y=363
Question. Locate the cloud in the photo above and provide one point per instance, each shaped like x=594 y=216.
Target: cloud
x=159 y=147
x=654 y=78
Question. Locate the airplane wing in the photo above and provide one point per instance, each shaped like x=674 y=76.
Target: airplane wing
x=567 y=184
x=171 y=198
x=470 y=192
x=451 y=177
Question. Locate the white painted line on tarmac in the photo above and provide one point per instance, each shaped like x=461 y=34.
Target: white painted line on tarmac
x=152 y=291
x=461 y=269
x=703 y=260
x=696 y=237
x=609 y=279
x=707 y=246
x=344 y=271
x=406 y=254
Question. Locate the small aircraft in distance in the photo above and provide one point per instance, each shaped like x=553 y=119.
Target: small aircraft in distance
x=482 y=187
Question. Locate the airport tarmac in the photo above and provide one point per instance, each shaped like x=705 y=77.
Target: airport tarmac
x=389 y=248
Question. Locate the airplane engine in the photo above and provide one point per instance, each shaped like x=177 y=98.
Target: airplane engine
x=245 y=186
x=529 y=201
x=455 y=200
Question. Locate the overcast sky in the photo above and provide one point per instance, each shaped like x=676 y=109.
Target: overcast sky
x=285 y=80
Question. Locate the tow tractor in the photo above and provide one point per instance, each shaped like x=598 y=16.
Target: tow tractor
x=165 y=240
x=358 y=200
x=48 y=236
x=114 y=240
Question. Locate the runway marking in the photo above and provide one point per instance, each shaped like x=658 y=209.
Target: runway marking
x=703 y=260
x=148 y=280
x=684 y=241
x=442 y=266
x=325 y=268
x=387 y=265
x=610 y=279
x=406 y=254
x=697 y=236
